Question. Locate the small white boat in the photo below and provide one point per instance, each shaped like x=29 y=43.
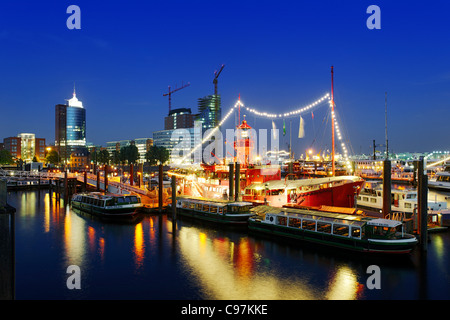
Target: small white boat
x=441 y=181
x=401 y=200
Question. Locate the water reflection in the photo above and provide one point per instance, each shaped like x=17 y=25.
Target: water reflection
x=230 y=272
x=154 y=258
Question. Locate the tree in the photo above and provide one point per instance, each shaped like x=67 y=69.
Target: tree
x=157 y=155
x=6 y=157
x=52 y=157
x=129 y=153
x=103 y=157
x=115 y=157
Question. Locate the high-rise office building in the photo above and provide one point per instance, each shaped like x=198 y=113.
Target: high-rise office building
x=209 y=111
x=70 y=128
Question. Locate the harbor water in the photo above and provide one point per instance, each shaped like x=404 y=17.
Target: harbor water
x=156 y=259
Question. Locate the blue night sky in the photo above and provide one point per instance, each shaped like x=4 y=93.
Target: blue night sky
x=277 y=56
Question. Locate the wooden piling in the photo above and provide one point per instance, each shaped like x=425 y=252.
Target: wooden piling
x=174 y=197
x=85 y=182
x=131 y=174
x=422 y=203
x=237 y=182
x=386 y=188
x=66 y=189
x=231 y=181
x=160 y=188
x=106 y=178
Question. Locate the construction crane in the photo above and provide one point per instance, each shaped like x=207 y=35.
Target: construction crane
x=216 y=75
x=169 y=93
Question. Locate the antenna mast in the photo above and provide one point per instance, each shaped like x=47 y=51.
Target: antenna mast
x=385 y=124
x=332 y=124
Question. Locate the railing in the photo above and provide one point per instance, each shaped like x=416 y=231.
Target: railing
x=17 y=174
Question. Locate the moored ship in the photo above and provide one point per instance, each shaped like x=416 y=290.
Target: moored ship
x=351 y=232
x=107 y=205
x=224 y=212
x=339 y=191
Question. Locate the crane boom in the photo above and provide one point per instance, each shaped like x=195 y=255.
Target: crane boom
x=169 y=93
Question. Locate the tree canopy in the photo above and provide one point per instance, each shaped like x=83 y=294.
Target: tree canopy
x=129 y=154
x=157 y=155
x=6 y=157
x=52 y=157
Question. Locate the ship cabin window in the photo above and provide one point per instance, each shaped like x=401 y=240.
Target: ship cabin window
x=220 y=210
x=248 y=191
x=408 y=205
x=109 y=202
x=309 y=225
x=340 y=230
x=184 y=204
x=384 y=232
x=365 y=199
x=276 y=192
x=132 y=199
x=356 y=232
x=373 y=200
x=324 y=227
x=120 y=200
x=198 y=206
x=379 y=193
x=237 y=209
x=281 y=220
x=212 y=209
x=295 y=222
x=411 y=196
x=358 y=198
x=205 y=208
x=191 y=205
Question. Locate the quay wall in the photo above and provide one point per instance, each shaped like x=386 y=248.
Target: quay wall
x=2 y=194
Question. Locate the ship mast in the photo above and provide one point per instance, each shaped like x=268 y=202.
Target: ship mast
x=332 y=124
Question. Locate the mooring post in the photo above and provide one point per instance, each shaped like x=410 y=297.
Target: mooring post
x=160 y=188
x=106 y=178
x=66 y=189
x=386 y=188
x=131 y=175
x=237 y=182
x=231 y=181
x=174 y=197
x=422 y=203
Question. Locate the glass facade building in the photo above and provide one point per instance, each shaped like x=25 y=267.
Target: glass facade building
x=70 y=128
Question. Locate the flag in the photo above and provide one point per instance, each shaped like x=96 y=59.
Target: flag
x=284 y=128
x=312 y=115
x=274 y=130
x=301 y=129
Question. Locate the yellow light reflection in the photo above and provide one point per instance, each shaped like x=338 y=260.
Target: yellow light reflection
x=47 y=211
x=74 y=238
x=223 y=279
x=138 y=245
x=344 y=285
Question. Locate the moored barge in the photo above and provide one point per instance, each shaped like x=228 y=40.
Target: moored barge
x=352 y=232
x=220 y=211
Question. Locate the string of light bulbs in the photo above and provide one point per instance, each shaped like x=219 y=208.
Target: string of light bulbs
x=289 y=114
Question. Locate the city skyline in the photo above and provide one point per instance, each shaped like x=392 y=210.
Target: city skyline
x=277 y=58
